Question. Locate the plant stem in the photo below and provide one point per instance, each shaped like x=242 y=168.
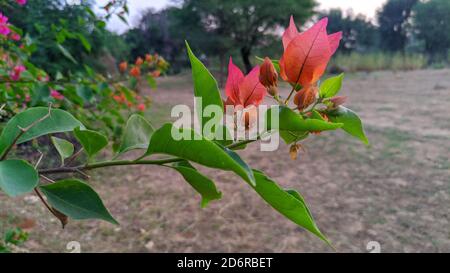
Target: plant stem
x=290 y=95
x=112 y=163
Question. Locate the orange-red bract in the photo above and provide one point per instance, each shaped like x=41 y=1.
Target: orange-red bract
x=123 y=66
x=305 y=97
x=244 y=90
x=306 y=55
x=268 y=75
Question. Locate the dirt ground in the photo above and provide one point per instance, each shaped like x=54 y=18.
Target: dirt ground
x=395 y=192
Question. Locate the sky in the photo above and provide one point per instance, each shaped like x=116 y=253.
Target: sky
x=366 y=7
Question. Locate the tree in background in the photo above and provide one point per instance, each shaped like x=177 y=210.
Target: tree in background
x=358 y=33
x=394 y=22
x=239 y=23
x=74 y=27
x=432 y=22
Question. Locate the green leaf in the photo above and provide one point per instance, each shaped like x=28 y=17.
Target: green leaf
x=151 y=81
x=92 y=142
x=330 y=87
x=84 y=42
x=138 y=132
x=198 y=181
x=205 y=86
x=17 y=177
x=290 y=137
x=66 y=53
x=58 y=122
x=352 y=123
x=291 y=121
x=64 y=147
x=198 y=149
x=41 y=93
x=84 y=92
x=76 y=200
x=287 y=202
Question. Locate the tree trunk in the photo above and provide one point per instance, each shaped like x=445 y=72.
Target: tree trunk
x=245 y=53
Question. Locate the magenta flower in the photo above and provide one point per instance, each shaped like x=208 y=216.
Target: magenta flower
x=15 y=37
x=21 y=2
x=4 y=28
x=56 y=95
x=17 y=70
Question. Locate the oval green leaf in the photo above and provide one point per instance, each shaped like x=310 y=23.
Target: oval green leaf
x=291 y=121
x=77 y=200
x=198 y=181
x=64 y=147
x=58 y=121
x=331 y=86
x=352 y=123
x=198 y=149
x=92 y=142
x=287 y=202
x=138 y=132
x=17 y=177
x=205 y=86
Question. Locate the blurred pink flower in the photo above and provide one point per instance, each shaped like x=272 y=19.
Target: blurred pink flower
x=21 y=2
x=17 y=70
x=15 y=37
x=56 y=95
x=4 y=28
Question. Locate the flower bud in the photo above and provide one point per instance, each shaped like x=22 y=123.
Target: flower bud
x=123 y=66
x=268 y=76
x=337 y=101
x=148 y=58
x=305 y=97
x=139 y=61
x=135 y=72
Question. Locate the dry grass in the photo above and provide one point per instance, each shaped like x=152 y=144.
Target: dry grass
x=395 y=192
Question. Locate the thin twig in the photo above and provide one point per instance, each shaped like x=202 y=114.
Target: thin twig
x=47 y=179
x=39 y=160
x=73 y=157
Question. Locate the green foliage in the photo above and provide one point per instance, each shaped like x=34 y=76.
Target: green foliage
x=92 y=142
x=393 y=19
x=288 y=202
x=17 y=177
x=331 y=86
x=58 y=121
x=198 y=181
x=64 y=148
x=196 y=148
x=291 y=121
x=352 y=123
x=205 y=86
x=12 y=237
x=369 y=62
x=358 y=32
x=77 y=200
x=136 y=135
x=433 y=24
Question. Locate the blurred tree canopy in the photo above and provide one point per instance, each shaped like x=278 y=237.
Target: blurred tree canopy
x=359 y=34
x=76 y=29
x=394 y=24
x=432 y=21
x=217 y=27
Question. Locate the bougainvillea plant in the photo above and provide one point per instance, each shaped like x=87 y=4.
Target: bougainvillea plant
x=310 y=108
x=99 y=101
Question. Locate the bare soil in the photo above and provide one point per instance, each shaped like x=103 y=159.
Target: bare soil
x=395 y=192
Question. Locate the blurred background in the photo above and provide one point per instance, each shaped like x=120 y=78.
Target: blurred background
x=396 y=192
x=378 y=34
